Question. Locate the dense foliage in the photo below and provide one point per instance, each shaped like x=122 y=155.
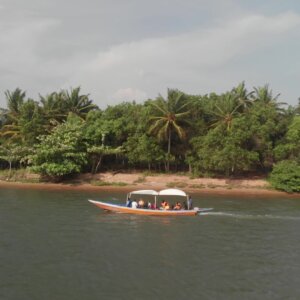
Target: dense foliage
x=286 y=176
x=238 y=132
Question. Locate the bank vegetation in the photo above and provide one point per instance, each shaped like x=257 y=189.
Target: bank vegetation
x=238 y=133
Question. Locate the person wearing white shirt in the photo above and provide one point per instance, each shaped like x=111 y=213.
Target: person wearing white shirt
x=134 y=204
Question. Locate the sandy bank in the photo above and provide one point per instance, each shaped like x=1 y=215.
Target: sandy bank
x=125 y=182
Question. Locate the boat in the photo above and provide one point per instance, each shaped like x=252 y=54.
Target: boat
x=122 y=208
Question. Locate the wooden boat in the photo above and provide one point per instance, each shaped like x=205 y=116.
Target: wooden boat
x=152 y=212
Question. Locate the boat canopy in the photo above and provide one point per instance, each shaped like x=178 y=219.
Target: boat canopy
x=172 y=192
x=167 y=192
x=144 y=192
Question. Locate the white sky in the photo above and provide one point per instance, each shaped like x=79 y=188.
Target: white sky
x=120 y=50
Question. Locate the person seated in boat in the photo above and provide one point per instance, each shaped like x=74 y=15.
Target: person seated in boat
x=167 y=206
x=177 y=206
x=134 y=204
x=141 y=203
x=163 y=204
x=149 y=205
x=128 y=202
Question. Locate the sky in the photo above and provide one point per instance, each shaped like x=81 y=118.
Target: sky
x=124 y=50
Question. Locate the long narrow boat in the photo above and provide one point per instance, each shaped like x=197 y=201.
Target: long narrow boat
x=152 y=212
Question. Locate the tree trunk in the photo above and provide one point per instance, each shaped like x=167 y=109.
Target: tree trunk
x=98 y=164
x=93 y=165
x=169 y=150
x=9 y=173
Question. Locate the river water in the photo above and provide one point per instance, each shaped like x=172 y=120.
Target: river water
x=56 y=245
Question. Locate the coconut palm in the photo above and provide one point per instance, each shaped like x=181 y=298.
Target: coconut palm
x=169 y=116
x=224 y=109
x=11 y=127
x=52 y=107
x=243 y=96
x=76 y=103
x=15 y=100
x=3 y=116
x=264 y=95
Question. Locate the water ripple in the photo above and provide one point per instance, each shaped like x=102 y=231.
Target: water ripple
x=252 y=216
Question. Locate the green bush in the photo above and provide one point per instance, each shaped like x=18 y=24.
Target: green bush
x=286 y=176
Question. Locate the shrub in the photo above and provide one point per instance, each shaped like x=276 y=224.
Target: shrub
x=286 y=176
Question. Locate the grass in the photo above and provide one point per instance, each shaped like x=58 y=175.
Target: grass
x=176 y=184
x=105 y=183
x=212 y=186
x=141 y=179
x=19 y=175
x=197 y=186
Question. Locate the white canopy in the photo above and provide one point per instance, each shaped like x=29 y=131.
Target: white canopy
x=172 y=192
x=167 y=192
x=144 y=192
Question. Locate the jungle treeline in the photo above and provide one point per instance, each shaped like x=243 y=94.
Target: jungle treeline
x=237 y=133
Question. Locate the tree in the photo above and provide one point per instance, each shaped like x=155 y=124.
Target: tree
x=97 y=154
x=223 y=110
x=76 y=103
x=15 y=100
x=142 y=149
x=286 y=176
x=243 y=96
x=289 y=148
x=169 y=116
x=13 y=153
x=63 y=152
x=26 y=126
x=224 y=152
x=3 y=117
x=53 y=110
x=268 y=126
x=264 y=95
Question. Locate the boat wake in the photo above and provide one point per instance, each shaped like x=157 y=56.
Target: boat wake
x=250 y=216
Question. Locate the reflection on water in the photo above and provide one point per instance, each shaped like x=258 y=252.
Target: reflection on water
x=56 y=245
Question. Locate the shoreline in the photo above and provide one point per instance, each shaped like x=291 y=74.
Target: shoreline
x=126 y=182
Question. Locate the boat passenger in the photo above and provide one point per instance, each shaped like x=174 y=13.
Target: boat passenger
x=134 y=204
x=190 y=202
x=163 y=204
x=177 y=206
x=128 y=202
x=149 y=205
x=167 y=206
x=141 y=203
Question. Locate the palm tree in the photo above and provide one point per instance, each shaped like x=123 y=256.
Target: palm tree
x=224 y=109
x=3 y=116
x=169 y=116
x=76 y=103
x=52 y=107
x=243 y=96
x=14 y=101
x=11 y=127
x=264 y=96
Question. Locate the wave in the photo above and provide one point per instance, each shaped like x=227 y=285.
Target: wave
x=251 y=216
